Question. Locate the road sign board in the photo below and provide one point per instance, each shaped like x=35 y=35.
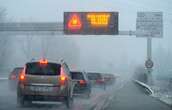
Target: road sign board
x=149 y=24
x=149 y=63
x=91 y=23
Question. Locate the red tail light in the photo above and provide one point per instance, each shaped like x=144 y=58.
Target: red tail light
x=22 y=77
x=99 y=81
x=82 y=82
x=63 y=80
x=43 y=61
x=12 y=77
x=63 y=77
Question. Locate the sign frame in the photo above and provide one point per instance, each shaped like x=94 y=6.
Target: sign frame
x=87 y=29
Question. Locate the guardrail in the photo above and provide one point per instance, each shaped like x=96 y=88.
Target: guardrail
x=145 y=86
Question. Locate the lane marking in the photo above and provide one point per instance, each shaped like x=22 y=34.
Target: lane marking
x=3 y=78
x=108 y=97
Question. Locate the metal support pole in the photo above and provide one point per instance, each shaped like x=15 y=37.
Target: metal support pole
x=149 y=57
x=149 y=48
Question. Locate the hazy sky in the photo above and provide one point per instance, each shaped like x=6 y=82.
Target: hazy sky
x=110 y=48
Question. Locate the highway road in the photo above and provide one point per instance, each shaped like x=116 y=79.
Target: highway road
x=133 y=97
x=98 y=96
x=124 y=95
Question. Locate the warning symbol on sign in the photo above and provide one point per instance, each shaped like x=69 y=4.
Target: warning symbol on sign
x=74 y=22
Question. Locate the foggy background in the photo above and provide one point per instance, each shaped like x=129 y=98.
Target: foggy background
x=116 y=54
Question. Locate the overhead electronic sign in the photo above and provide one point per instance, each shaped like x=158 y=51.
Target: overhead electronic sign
x=91 y=23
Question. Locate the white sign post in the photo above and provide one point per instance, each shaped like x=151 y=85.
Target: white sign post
x=149 y=25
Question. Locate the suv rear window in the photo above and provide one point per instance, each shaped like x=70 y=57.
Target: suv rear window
x=47 y=69
x=77 y=75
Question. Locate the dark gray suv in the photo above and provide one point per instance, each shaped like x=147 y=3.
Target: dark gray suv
x=45 y=81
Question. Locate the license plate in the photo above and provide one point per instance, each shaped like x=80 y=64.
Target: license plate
x=41 y=89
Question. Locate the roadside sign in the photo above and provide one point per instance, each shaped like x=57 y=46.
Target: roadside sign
x=149 y=63
x=149 y=24
x=91 y=23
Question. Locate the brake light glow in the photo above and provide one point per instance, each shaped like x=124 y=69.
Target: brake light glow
x=82 y=82
x=62 y=78
x=12 y=77
x=43 y=61
x=21 y=77
x=100 y=81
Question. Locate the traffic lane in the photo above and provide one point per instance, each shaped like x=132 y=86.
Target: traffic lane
x=99 y=96
x=8 y=99
x=7 y=96
x=133 y=97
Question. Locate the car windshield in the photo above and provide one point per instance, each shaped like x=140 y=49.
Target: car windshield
x=77 y=75
x=45 y=69
x=122 y=47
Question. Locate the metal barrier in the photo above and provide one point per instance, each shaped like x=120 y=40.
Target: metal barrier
x=145 y=86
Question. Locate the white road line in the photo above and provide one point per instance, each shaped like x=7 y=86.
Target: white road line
x=3 y=78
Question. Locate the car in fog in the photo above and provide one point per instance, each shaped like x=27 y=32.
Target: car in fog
x=45 y=81
x=109 y=79
x=82 y=85
x=96 y=79
x=13 y=77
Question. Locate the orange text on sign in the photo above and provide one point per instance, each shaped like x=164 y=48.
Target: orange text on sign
x=98 y=19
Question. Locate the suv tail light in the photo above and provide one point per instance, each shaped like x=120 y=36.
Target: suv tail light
x=82 y=82
x=63 y=80
x=43 y=61
x=63 y=77
x=22 y=77
x=13 y=77
x=99 y=81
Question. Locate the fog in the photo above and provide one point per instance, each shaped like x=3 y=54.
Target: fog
x=116 y=54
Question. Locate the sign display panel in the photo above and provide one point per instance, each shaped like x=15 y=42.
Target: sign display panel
x=91 y=23
x=149 y=24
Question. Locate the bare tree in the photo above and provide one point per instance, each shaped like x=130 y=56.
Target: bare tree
x=62 y=47
x=4 y=40
x=50 y=46
x=2 y=14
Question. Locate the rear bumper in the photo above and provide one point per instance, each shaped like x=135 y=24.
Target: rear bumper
x=57 y=91
x=82 y=90
x=44 y=98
